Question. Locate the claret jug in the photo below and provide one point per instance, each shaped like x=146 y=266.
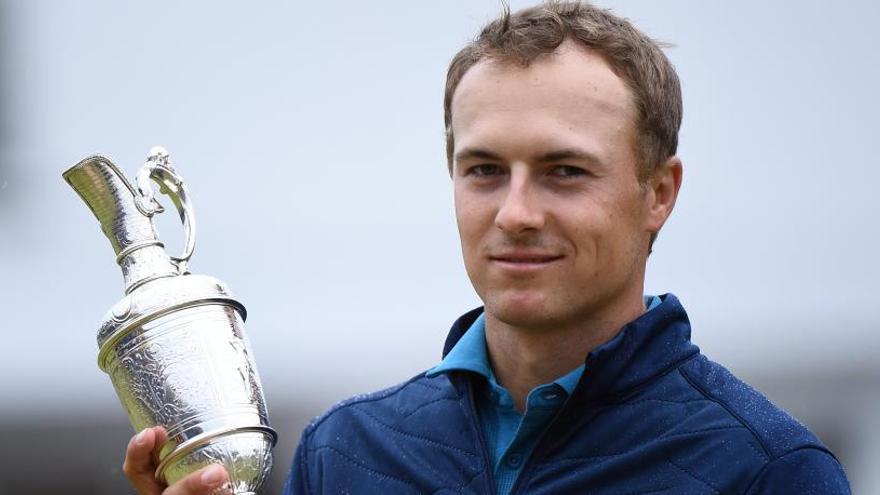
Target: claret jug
x=174 y=346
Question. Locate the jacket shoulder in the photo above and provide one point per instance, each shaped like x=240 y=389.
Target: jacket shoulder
x=777 y=432
x=714 y=432
x=414 y=437
x=388 y=405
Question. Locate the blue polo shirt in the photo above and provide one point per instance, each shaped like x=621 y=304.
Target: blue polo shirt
x=510 y=436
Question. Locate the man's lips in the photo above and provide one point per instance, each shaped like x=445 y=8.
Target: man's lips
x=524 y=260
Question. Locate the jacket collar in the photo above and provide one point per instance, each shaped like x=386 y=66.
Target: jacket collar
x=643 y=349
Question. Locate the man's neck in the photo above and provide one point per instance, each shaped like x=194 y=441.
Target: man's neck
x=524 y=358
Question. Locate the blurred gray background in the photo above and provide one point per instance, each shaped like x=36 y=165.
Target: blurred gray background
x=311 y=136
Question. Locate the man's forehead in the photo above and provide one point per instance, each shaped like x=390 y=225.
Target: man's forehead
x=570 y=97
x=570 y=78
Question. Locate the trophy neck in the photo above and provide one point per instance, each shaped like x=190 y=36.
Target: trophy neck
x=143 y=263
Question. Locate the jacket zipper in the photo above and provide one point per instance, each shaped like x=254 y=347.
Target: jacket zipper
x=475 y=418
x=534 y=455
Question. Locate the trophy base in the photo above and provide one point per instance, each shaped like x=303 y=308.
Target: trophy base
x=245 y=453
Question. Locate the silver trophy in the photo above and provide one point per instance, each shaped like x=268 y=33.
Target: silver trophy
x=175 y=346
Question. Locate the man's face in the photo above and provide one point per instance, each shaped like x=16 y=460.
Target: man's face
x=554 y=223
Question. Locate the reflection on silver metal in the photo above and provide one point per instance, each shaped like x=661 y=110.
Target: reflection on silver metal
x=174 y=345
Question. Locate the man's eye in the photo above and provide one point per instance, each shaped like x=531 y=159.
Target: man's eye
x=567 y=171
x=484 y=170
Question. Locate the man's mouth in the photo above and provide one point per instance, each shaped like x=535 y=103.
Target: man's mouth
x=524 y=260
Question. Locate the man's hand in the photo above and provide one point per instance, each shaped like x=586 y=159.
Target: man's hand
x=140 y=468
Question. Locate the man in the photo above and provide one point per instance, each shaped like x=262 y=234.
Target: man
x=562 y=124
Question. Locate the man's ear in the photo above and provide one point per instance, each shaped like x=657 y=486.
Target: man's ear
x=663 y=185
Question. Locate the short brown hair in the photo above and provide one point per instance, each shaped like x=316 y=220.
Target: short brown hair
x=523 y=36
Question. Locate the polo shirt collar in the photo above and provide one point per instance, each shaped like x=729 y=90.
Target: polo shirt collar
x=643 y=348
x=470 y=354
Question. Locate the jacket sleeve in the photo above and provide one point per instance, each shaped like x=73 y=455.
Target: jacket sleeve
x=807 y=471
x=297 y=479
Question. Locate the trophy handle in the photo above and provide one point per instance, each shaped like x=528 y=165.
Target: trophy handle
x=158 y=168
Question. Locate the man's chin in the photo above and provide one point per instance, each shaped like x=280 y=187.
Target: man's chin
x=520 y=312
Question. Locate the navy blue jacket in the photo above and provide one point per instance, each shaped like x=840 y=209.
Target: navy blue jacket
x=651 y=415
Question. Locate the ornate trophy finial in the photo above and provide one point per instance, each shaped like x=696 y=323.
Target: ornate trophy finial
x=174 y=346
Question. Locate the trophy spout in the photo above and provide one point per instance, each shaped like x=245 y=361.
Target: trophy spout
x=125 y=219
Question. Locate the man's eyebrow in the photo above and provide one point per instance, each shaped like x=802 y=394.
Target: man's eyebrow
x=551 y=156
x=477 y=154
x=568 y=154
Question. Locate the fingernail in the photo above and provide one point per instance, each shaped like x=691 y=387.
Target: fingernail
x=141 y=437
x=212 y=476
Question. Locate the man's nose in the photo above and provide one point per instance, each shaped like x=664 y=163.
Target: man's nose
x=520 y=210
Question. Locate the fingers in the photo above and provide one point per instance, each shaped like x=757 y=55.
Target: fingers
x=201 y=482
x=139 y=466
